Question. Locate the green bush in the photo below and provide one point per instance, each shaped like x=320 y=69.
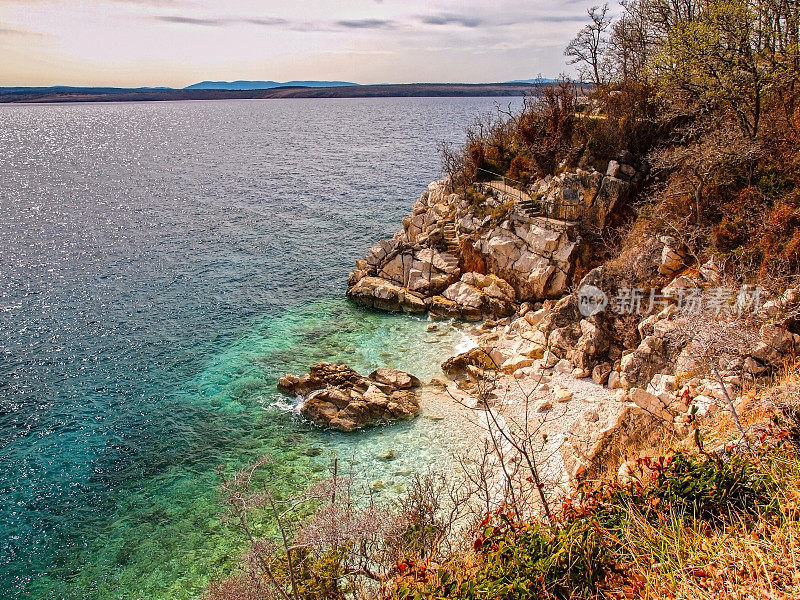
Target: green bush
x=521 y=561
x=591 y=545
x=711 y=488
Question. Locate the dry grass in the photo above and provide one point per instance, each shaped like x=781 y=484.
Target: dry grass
x=744 y=561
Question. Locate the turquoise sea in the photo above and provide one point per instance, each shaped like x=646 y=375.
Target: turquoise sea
x=161 y=264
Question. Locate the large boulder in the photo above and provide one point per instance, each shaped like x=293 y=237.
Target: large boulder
x=658 y=352
x=474 y=297
x=338 y=396
x=774 y=344
x=444 y=307
x=464 y=295
x=612 y=193
x=468 y=365
x=375 y=292
x=592 y=345
x=594 y=448
x=536 y=261
x=638 y=367
x=673 y=257
x=664 y=407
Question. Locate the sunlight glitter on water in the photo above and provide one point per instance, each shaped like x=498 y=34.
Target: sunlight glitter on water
x=161 y=264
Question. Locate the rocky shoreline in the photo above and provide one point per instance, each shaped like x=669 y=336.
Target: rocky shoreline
x=602 y=388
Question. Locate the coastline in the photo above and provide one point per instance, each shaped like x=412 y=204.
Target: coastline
x=582 y=399
x=410 y=90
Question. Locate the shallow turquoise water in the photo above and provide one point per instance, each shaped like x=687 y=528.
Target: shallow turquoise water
x=165 y=538
x=160 y=266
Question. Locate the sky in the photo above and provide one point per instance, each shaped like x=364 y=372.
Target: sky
x=131 y=43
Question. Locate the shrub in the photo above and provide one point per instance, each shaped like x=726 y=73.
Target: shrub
x=715 y=489
x=603 y=536
x=517 y=561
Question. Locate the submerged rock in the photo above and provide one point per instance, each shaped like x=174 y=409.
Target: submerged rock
x=340 y=397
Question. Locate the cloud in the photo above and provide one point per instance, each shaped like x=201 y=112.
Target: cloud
x=452 y=19
x=472 y=21
x=218 y=22
x=191 y=20
x=367 y=24
x=560 y=18
x=265 y=22
x=5 y=30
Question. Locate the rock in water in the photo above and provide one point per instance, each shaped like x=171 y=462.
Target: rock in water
x=397 y=379
x=340 y=397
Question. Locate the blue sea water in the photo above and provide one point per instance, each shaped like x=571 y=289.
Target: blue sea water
x=161 y=264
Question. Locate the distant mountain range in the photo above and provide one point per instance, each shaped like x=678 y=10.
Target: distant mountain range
x=264 y=85
x=223 y=90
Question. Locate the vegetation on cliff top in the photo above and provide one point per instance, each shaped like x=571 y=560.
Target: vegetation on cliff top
x=707 y=92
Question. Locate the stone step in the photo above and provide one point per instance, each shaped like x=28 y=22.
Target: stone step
x=555 y=224
x=451 y=242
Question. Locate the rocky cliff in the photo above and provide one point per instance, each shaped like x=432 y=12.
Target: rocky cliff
x=483 y=252
x=506 y=256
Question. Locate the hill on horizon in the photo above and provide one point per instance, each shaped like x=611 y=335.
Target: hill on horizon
x=263 y=85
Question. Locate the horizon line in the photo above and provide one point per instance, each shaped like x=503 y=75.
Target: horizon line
x=352 y=84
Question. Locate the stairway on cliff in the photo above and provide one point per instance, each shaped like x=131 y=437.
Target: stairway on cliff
x=529 y=207
x=451 y=239
x=547 y=217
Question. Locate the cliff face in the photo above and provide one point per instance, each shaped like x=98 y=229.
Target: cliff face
x=461 y=258
x=516 y=258
x=478 y=254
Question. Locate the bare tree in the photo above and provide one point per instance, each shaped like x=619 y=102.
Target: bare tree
x=350 y=546
x=588 y=49
x=242 y=501
x=632 y=43
x=455 y=164
x=711 y=337
x=511 y=469
x=702 y=154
